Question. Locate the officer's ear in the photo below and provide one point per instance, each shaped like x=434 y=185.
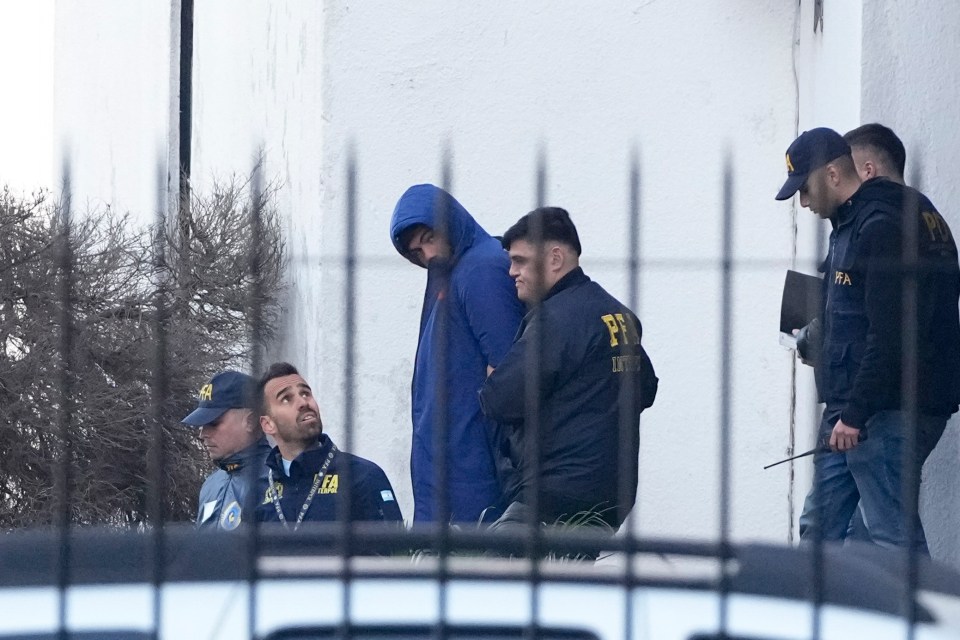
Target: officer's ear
x=250 y=422
x=832 y=173
x=868 y=170
x=555 y=258
x=268 y=426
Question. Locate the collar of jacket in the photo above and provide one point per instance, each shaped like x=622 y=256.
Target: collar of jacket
x=254 y=453
x=873 y=189
x=572 y=279
x=308 y=462
x=845 y=213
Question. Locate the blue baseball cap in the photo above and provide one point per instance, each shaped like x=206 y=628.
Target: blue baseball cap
x=225 y=391
x=809 y=152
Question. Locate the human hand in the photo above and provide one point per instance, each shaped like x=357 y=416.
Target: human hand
x=809 y=343
x=844 y=437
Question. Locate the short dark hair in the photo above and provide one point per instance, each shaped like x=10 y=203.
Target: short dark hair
x=543 y=225
x=275 y=370
x=406 y=236
x=846 y=164
x=883 y=140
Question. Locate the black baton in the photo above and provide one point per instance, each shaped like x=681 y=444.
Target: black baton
x=822 y=447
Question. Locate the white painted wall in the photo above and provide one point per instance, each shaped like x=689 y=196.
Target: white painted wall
x=911 y=83
x=113 y=102
x=26 y=109
x=682 y=82
x=257 y=95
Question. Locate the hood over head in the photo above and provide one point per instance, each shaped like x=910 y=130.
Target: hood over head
x=430 y=205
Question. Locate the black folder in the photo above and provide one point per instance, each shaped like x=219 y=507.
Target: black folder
x=801 y=301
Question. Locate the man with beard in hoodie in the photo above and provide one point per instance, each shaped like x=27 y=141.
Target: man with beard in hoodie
x=469 y=319
x=878 y=297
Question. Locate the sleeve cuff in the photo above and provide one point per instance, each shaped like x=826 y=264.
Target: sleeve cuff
x=855 y=416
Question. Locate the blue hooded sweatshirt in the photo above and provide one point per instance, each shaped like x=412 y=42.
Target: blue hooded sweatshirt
x=470 y=299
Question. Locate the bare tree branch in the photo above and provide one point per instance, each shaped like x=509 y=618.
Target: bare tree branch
x=117 y=276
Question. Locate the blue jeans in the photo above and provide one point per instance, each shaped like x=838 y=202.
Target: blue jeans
x=871 y=475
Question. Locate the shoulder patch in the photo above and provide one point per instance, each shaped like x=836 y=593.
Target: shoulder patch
x=230 y=519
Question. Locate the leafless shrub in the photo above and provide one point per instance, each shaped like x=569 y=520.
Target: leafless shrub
x=129 y=287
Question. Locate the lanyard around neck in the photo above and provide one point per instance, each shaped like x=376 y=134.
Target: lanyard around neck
x=275 y=497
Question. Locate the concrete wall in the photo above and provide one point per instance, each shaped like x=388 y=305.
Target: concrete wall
x=680 y=82
x=910 y=71
x=257 y=98
x=113 y=102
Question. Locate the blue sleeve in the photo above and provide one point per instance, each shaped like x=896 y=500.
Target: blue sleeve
x=209 y=493
x=493 y=311
x=375 y=498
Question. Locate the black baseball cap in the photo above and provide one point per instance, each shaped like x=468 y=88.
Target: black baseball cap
x=810 y=151
x=225 y=391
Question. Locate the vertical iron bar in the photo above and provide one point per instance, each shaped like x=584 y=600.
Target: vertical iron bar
x=533 y=446
x=791 y=448
x=817 y=550
x=726 y=307
x=909 y=381
x=255 y=263
x=633 y=216
x=350 y=305
x=627 y=394
x=627 y=408
x=792 y=438
x=186 y=114
x=63 y=476
x=255 y=323
x=441 y=422
x=792 y=429
x=159 y=391
x=441 y=271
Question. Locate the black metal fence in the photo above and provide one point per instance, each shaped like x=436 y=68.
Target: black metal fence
x=162 y=552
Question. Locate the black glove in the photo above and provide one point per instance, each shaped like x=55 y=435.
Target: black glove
x=809 y=342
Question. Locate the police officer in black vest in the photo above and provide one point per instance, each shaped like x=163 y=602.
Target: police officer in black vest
x=591 y=379
x=891 y=278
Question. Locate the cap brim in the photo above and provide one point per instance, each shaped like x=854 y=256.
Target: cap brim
x=203 y=416
x=791 y=186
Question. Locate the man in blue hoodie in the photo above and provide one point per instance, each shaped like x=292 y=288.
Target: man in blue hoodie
x=470 y=316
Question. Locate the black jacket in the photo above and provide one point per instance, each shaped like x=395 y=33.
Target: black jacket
x=868 y=279
x=371 y=496
x=592 y=370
